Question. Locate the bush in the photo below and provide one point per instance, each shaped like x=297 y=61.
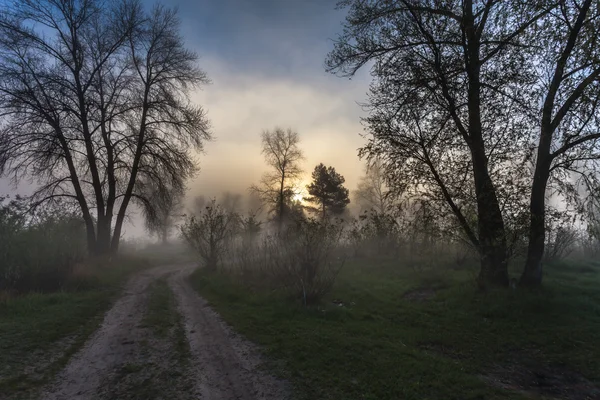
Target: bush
x=305 y=259
x=375 y=234
x=302 y=260
x=209 y=233
x=40 y=250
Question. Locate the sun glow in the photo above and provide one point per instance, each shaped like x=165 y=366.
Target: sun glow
x=298 y=197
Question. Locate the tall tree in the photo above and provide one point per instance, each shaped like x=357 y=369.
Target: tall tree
x=281 y=149
x=372 y=191
x=445 y=71
x=95 y=100
x=166 y=210
x=569 y=119
x=327 y=191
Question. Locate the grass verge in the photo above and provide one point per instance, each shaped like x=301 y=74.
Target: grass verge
x=40 y=331
x=164 y=319
x=386 y=333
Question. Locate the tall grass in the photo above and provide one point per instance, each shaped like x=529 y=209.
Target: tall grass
x=38 y=252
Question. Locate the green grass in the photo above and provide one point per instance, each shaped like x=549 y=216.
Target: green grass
x=44 y=329
x=164 y=319
x=160 y=314
x=165 y=355
x=380 y=345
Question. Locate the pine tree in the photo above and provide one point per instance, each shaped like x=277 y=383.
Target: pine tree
x=327 y=191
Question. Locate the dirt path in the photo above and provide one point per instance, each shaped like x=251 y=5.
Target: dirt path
x=226 y=366
x=222 y=365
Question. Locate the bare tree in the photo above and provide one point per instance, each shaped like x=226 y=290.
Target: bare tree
x=198 y=205
x=446 y=72
x=372 y=191
x=283 y=155
x=167 y=209
x=95 y=100
x=569 y=119
x=208 y=232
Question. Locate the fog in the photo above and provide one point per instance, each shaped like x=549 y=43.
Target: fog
x=289 y=199
x=266 y=70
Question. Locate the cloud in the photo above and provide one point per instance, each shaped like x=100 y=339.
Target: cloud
x=265 y=59
x=241 y=106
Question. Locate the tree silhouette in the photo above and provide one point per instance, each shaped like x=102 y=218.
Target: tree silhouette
x=446 y=105
x=372 y=192
x=327 y=191
x=569 y=121
x=167 y=210
x=282 y=153
x=95 y=103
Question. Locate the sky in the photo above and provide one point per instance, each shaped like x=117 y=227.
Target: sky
x=265 y=59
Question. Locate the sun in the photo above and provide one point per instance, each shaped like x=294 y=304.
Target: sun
x=298 y=197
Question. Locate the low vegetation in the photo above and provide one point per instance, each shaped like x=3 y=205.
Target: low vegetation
x=387 y=331
x=41 y=250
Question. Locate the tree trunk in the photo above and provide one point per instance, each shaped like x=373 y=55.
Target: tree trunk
x=83 y=205
x=133 y=176
x=492 y=240
x=281 y=204
x=103 y=239
x=90 y=230
x=532 y=273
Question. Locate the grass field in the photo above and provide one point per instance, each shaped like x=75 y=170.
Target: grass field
x=391 y=333
x=40 y=331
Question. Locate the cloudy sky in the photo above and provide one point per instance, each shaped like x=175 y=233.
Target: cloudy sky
x=265 y=59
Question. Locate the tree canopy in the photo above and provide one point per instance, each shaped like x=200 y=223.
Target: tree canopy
x=327 y=191
x=282 y=153
x=95 y=101
x=454 y=108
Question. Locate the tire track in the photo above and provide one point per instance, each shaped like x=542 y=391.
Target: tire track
x=110 y=346
x=226 y=366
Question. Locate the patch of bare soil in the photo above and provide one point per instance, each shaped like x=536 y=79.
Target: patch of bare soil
x=109 y=348
x=225 y=365
x=420 y=295
x=551 y=382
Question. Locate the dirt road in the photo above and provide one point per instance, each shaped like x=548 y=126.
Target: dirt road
x=125 y=360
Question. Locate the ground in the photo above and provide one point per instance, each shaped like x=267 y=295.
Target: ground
x=390 y=331
x=385 y=332
x=159 y=340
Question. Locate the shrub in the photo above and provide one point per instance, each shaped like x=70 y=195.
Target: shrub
x=374 y=234
x=304 y=259
x=39 y=250
x=209 y=234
